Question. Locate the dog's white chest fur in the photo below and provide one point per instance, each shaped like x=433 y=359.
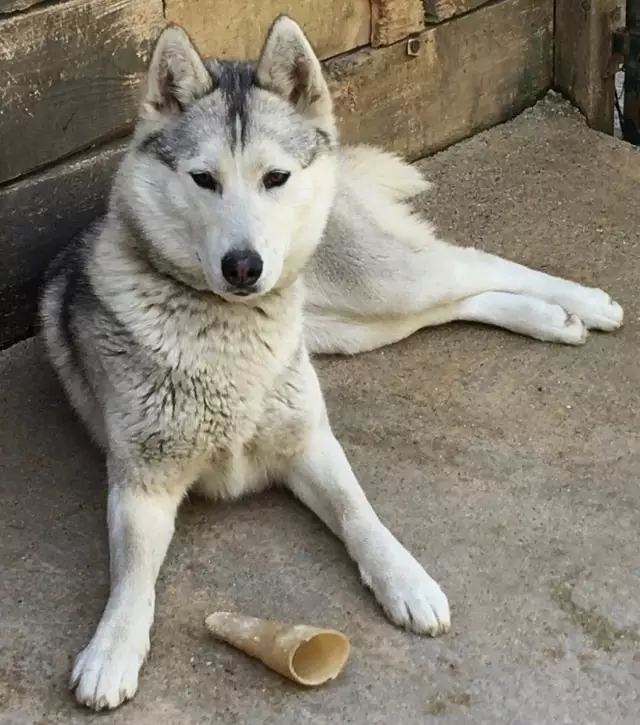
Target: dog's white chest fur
x=249 y=463
x=230 y=395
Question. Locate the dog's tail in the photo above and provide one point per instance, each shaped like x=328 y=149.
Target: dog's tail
x=395 y=177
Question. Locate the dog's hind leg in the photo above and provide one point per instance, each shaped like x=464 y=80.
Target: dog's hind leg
x=481 y=272
x=441 y=274
x=384 y=285
x=141 y=514
x=523 y=314
x=518 y=313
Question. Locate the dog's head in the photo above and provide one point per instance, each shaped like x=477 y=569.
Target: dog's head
x=231 y=173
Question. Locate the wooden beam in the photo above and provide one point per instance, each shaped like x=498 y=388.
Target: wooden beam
x=69 y=76
x=631 y=112
x=393 y=20
x=37 y=217
x=223 y=30
x=438 y=10
x=12 y=6
x=469 y=74
x=582 y=68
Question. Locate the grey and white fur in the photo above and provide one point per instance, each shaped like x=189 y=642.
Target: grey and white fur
x=239 y=239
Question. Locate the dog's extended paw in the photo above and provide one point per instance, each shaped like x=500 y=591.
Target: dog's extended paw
x=564 y=327
x=408 y=595
x=575 y=331
x=596 y=309
x=607 y=316
x=105 y=673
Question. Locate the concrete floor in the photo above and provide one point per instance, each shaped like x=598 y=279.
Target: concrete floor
x=509 y=467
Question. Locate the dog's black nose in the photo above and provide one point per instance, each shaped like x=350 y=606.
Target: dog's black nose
x=242 y=267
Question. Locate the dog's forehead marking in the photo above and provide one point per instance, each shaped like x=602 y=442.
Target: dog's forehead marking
x=239 y=115
x=234 y=80
x=253 y=113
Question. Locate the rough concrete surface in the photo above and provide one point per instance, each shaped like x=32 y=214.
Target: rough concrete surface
x=508 y=466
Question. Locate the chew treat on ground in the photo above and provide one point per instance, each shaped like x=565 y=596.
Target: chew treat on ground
x=307 y=655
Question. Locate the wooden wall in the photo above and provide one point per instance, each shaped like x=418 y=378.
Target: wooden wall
x=584 y=69
x=70 y=73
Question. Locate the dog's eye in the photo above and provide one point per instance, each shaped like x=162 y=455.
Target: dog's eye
x=206 y=181
x=273 y=179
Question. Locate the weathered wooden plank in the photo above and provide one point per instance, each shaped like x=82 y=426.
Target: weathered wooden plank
x=582 y=69
x=393 y=20
x=69 y=76
x=222 y=31
x=438 y=10
x=470 y=74
x=631 y=113
x=37 y=217
x=12 y=6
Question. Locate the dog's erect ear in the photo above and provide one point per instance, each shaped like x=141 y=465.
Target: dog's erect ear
x=176 y=77
x=289 y=67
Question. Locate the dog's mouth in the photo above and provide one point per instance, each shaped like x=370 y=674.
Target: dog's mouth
x=242 y=291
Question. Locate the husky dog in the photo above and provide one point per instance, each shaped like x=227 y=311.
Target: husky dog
x=181 y=324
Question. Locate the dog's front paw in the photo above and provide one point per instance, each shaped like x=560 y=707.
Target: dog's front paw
x=105 y=673
x=408 y=595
